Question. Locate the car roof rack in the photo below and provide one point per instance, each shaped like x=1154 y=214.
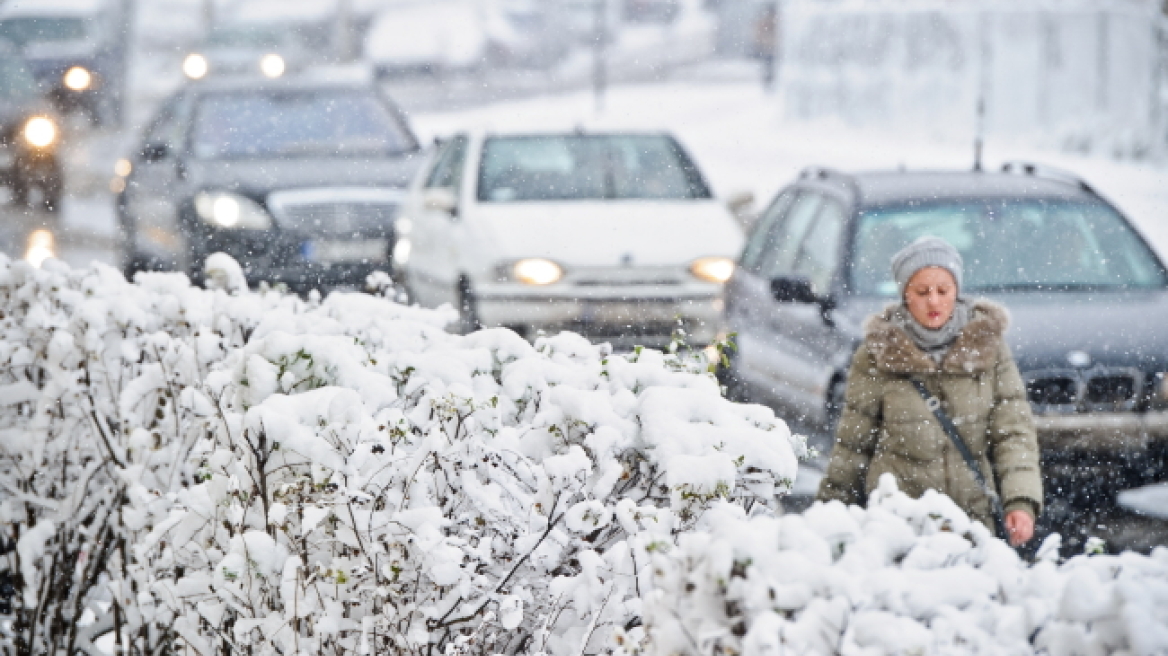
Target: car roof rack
x=1048 y=173
x=825 y=173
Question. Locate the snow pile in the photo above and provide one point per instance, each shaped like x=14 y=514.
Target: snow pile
x=902 y=577
x=240 y=471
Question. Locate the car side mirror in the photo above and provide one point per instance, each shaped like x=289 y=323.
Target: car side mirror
x=741 y=205
x=441 y=199
x=796 y=289
x=155 y=151
x=793 y=290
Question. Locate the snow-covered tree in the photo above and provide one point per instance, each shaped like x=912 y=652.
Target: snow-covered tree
x=225 y=470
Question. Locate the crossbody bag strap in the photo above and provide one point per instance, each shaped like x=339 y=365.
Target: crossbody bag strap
x=934 y=406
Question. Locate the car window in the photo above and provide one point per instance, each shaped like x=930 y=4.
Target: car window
x=818 y=254
x=246 y=36
x=1010 y=244
x=290 y=124
x=782 y=248
x=760 y=236
x=27 y=30
x=169 y=125
x=16 y=82
x=447 y=172
x=586 y=167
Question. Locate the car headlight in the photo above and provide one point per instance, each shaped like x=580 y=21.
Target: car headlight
x=78 y=78
x=40 y=132
x=713 y=269
x=41 y=246
x=231 y=211
x=401 y=252
x=195 y=66
x=536 y=271
x=272 y=65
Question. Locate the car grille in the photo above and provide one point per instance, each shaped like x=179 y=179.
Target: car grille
x=1093 y=390
x=336 y=214
x=341 y=219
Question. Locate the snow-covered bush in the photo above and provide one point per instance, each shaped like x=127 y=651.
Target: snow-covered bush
x=906 y=576
x=222 y=471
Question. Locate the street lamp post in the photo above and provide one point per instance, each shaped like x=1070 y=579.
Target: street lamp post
x=599 y=39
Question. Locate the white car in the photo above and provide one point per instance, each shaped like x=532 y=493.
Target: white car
x=615 y=236
x=434 y=36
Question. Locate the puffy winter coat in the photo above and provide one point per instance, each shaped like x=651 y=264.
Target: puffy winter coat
x=886 y=427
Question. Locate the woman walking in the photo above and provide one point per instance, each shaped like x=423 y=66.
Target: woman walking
x=933 y=379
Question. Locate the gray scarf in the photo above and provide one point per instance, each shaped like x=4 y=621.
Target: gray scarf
x=935 y=343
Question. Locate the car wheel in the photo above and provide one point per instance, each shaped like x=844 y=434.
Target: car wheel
x=468 y=316
x=133 y=262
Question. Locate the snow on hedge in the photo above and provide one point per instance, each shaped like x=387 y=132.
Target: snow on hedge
x=223 y=471
x=906 y=576
x=248 y=472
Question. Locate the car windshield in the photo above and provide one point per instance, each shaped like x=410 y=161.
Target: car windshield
x=15 y=80
x=1011 y=245
x=28 y=29
x=251 y=36
x=587 y=167
x=296 y=124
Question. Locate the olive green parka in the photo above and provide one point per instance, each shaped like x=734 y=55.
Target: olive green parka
x=886 y=427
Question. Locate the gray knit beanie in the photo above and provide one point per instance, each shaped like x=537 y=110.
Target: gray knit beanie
x=922 y=253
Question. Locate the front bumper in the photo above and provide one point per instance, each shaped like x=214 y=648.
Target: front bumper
x=623 y=317
x=1103 y=432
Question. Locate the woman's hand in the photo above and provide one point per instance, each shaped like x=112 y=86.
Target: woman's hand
x=1020 y=526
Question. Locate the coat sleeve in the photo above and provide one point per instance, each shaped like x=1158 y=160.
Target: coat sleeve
x=859 y=429
x=1013 y=438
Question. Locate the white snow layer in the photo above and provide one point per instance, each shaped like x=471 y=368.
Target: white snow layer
x=905 y=576
x=249 y=471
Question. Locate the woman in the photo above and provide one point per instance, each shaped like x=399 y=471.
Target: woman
x=955 y=347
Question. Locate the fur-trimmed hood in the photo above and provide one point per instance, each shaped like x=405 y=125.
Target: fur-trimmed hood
x=974 y=351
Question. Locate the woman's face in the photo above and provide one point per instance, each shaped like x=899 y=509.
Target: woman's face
x=930 y=296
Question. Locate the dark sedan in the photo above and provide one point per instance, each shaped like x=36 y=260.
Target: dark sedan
x=1089 y=301
x=299 y=181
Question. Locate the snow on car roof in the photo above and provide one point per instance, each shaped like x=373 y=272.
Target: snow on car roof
x=17 y=8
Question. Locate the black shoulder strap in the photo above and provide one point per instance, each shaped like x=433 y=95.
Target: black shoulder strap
x=934 y=405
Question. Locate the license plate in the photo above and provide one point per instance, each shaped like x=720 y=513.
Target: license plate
x=365 y=250
x=618 y=312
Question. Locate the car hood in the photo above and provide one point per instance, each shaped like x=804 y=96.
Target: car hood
x=612 y=233
x=1116 y=329
x=45 y=60
x=258 y=177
